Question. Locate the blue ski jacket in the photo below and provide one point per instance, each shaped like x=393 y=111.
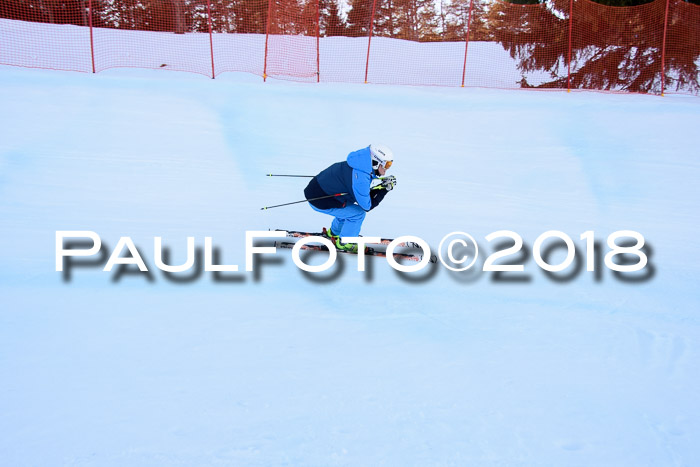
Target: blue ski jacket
x=353 y=176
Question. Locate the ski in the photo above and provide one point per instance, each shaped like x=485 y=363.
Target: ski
x=368 y=251
x=384 y=241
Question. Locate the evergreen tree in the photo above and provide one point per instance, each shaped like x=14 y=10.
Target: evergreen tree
x=406 y=19
x=313 y=12
x=331 y=21
x=416 y=20
x=620 y=49
x=385 y=17
x=290 y=17
x=249 y=16
x=359 y=17
x=459 y=24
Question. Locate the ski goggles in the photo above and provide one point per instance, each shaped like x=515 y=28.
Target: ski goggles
x=385 y=164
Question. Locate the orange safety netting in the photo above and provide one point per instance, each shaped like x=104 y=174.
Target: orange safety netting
x=345 y=42
x=238 y=35
x=408 y=46
x=682 y=49
x=535 y=37
x=292 y=41
x=44 y=35
x=161 y=36
x=617 y=48
x=560 y=44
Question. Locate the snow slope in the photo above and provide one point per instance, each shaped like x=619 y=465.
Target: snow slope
x=343 y=367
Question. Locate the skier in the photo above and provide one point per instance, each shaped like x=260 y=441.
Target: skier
x=361 y=180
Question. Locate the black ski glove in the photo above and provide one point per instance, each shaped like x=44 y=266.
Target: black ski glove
x=377 y=196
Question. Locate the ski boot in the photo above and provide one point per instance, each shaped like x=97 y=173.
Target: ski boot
x=349 y=247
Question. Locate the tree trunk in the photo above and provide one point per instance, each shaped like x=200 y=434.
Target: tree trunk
x=84 y=13
x=47 y=7
x=179 y=16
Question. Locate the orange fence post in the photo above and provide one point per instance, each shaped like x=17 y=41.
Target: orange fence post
x=369 y=41
x=92 y=42
x=267 y=35
x=318 y=41
x=571 y=19
x=211 y=40
x=466 y=42
x=663 y=51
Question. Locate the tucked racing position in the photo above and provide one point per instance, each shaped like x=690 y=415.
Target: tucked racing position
x=348 y=190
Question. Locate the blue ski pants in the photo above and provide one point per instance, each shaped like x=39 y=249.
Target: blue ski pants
x=347 y=221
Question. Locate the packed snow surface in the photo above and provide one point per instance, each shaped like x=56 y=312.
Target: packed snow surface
x=281 y=367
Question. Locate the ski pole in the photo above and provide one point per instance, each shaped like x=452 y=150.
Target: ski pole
x=302 y=176
x=303 y=201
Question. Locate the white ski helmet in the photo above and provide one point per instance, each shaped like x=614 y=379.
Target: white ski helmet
x=381 y=155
